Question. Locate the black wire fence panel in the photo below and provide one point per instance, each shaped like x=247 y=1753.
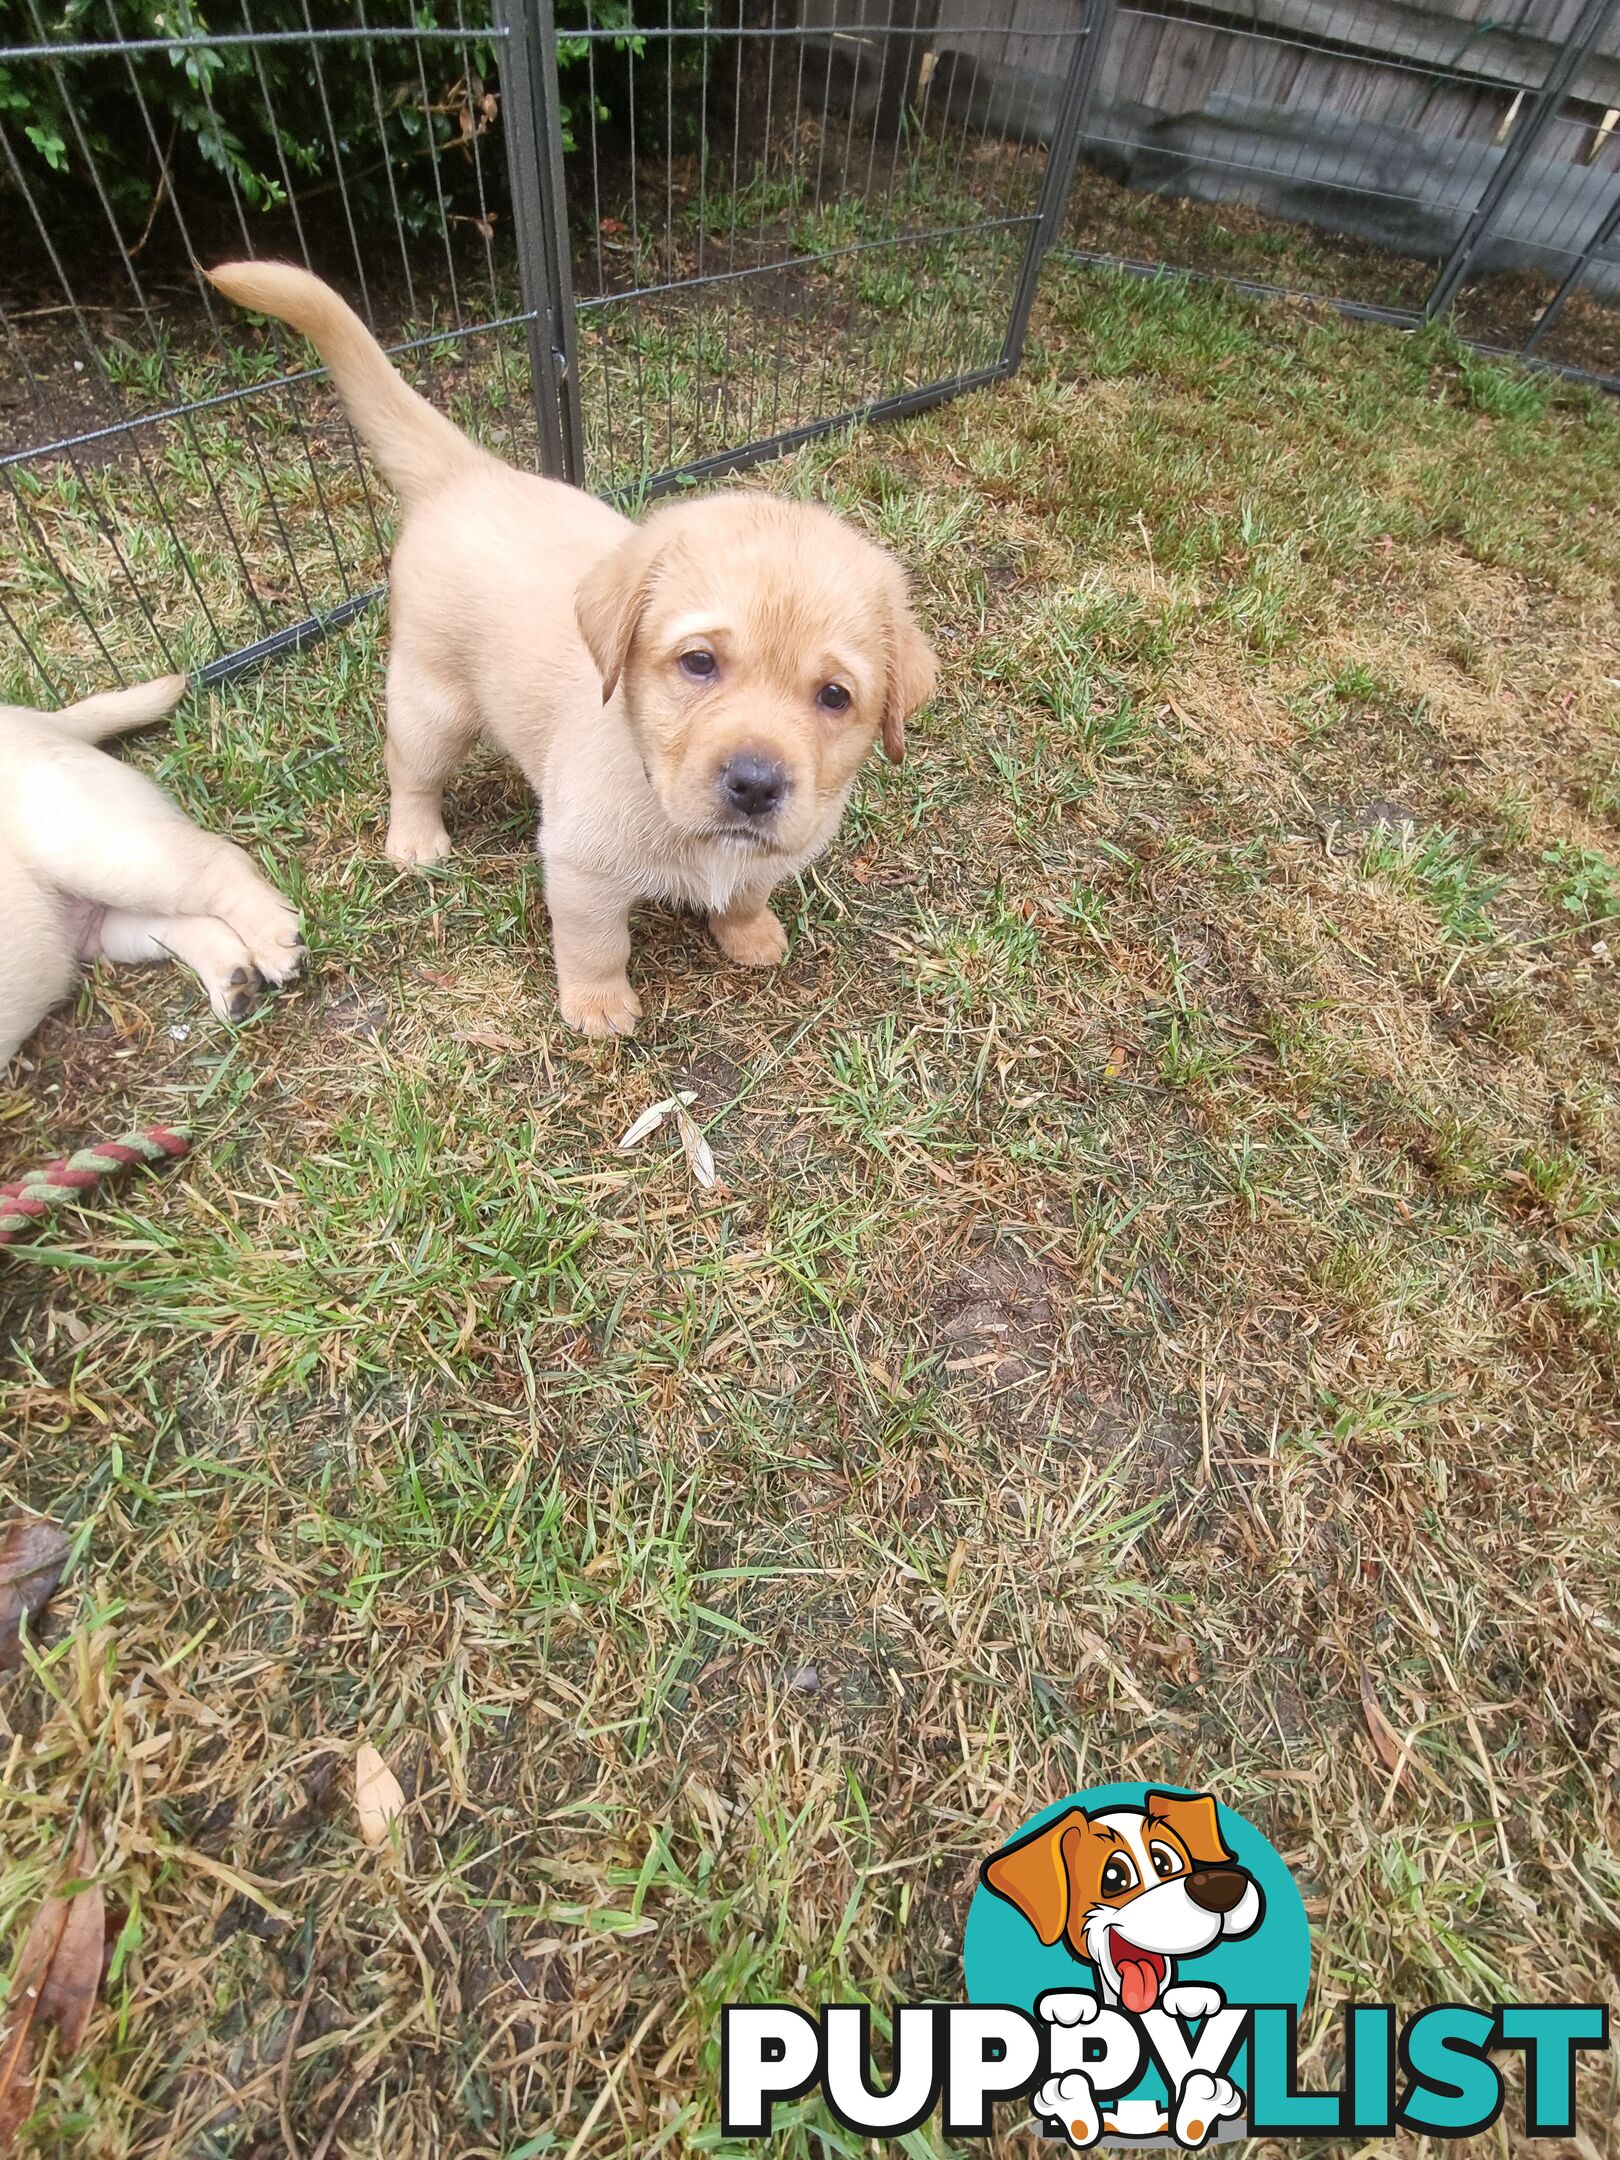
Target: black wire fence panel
x=1404 y=161
x=639 y=242
x=1547 y=283
x=802 y=225
x=626 y=251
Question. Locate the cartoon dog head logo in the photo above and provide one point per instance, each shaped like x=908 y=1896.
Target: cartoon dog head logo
x=1137 y=1925
x=1129 y=1890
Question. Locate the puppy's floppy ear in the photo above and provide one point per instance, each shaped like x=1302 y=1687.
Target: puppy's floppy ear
x=611 y=600
x=912 y=675
x=1193 y=1817
x=1034 y=1875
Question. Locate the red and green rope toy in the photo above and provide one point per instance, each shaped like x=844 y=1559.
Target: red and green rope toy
x=24 y=1200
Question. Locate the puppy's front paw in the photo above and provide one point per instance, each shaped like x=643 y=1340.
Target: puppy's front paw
x=1067 y=2006
x=751 y=940
x=601 y=1008
x=413 y=843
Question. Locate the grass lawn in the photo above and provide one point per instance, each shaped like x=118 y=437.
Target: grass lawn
x=1157 y=1317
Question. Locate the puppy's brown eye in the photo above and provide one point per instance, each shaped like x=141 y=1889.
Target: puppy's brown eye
x=700 y=665
x=1118 y=1876
x=833 y=697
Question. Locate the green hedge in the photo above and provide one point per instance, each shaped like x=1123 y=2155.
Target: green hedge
x=230 y=114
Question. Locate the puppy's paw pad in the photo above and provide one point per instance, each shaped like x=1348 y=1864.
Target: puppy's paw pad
x=241 y=993
x=610 y=1009
x=759 y=942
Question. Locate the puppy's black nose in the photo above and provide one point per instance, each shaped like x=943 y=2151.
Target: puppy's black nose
x=752 y=784
x=1217 y=1889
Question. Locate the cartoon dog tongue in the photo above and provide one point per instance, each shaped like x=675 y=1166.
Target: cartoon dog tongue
x=1138 y=1976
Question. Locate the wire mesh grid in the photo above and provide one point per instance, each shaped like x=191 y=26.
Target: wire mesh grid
x=651 y=243
x=627 y=252
x=183 y=488
x=801 y=226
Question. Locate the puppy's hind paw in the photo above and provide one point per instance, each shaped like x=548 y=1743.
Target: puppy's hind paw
x=601 y=1008
x=1067 y=2106
x=279 y=958
x=240 y=992
x=267 y=927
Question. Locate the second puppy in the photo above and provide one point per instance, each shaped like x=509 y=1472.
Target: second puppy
x=97 y=863
x=689 y=697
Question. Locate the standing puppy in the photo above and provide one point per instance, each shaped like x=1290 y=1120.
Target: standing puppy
x=97 y=863
x=689 y=697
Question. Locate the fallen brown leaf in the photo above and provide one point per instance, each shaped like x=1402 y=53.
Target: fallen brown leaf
x=67 y=1994
x=378 y=1800
x=1384 y=1736
x=58 y=1978
x=33 y=1553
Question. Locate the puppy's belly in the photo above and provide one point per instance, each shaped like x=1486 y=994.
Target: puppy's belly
x=84 y=920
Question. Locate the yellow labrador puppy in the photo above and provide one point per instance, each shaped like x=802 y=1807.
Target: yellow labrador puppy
x=97 y=863
x=689 y=697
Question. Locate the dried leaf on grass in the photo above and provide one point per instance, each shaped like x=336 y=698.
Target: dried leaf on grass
x=33 y=1553
x=1384 y=1736
x=56 y=1983
x=378 y=1798
x=699 y=1154
x=650 y=1120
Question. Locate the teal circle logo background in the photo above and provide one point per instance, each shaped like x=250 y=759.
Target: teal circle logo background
x=1004 y=1960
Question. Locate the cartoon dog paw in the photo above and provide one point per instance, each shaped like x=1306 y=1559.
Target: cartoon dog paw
x=1068 y=2105
x=1067 y=2006
x=1190 y=2000
x=1202 y=2102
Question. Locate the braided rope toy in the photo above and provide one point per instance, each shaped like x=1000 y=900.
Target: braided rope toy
x=25 y=1199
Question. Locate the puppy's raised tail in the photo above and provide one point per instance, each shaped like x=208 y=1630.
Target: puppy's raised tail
x=115 y=712
x=412 y=441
